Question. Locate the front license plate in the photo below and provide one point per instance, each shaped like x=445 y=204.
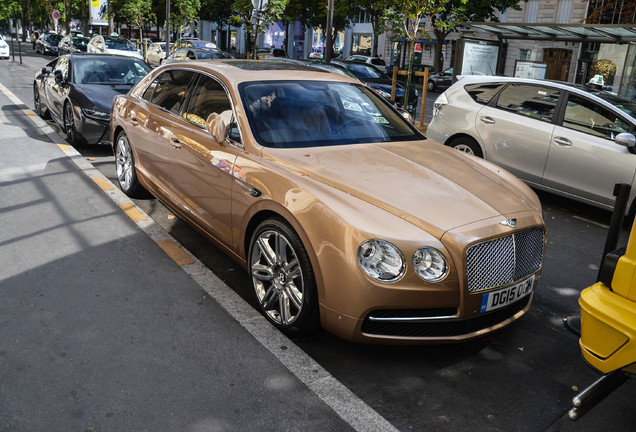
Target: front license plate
x=497 y=299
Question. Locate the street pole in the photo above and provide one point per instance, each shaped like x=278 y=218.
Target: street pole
x=329 y=41
x=167 y=28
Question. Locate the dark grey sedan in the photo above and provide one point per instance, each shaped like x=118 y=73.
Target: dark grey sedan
x=77 y=91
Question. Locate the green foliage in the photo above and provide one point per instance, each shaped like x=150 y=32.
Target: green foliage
x=136 y=11
x=183 y=12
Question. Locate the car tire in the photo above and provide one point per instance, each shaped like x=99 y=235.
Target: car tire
x=283 y=278
x=125 y=168
x=37 y=103
x=72 y=135
x=467 y=145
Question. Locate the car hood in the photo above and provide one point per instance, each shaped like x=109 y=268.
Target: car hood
x=99 y=95
x=431 y=186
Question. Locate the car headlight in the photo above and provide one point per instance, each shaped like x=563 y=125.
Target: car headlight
x=383 y=93
x=439 y=104
x=94 y=114
x=381 y=260
x=430 y=264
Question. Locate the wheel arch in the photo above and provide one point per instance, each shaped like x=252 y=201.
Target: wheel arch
x=263 y=214
x=467 y=136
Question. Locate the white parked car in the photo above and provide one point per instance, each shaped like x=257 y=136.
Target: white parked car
x=155 y=53
x=567 y=139
x=100 y=44
x=4 y=48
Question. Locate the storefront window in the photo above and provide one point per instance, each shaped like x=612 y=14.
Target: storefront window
x=361 y=44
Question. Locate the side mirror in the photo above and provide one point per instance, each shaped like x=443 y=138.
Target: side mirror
x=628 y=140
x=216 y=126
x=44 y=71
x=58 y=76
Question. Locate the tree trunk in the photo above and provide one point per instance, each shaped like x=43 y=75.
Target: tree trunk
x=439 y=46
x=111 y=18
x=84 y=12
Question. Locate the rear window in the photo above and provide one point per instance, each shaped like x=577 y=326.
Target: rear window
x=483 y=93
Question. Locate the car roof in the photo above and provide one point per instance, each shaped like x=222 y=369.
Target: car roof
x=236 y=71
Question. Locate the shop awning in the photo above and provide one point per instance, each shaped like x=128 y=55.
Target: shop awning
x=601 y=33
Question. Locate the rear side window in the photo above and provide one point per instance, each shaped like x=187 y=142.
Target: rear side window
x=170 y=89
x=483 y=93
x=532 y=101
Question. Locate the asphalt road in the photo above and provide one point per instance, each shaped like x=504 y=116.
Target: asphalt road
x=521 y=378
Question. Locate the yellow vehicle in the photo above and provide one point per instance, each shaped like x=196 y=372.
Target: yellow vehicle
x=608 y=315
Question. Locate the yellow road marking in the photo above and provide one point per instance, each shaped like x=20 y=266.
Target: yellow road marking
x=30 y=113
x=175 y=252
x=64 y=147
x=103 y=183
x=132 y=212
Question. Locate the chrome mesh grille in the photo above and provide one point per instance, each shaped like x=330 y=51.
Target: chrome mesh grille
x=504 y=260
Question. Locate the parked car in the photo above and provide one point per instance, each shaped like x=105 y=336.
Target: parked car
x=315 y=55
x=47 y=43
x=380 y=82
x=440 y=81
x=77 y=90
x=156 y=53
x=194 y=43
x=112 y=45
x=375 y=61
x=71 y=44
x=300 y=176
x=187 y=54
x=4 y=48
x=565 y=139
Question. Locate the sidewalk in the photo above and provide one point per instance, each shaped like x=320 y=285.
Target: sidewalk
x=102 y=330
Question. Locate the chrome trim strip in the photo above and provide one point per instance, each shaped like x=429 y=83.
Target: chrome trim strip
x=414 y=319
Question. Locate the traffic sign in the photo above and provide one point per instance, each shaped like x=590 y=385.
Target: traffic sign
x=56 y=15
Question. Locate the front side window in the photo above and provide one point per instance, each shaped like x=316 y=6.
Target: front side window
x=170 y=89
x=210 y=97
x=587 y=116
x=296 y=114
x=532 y=101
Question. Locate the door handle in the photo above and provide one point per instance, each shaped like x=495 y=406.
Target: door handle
x=133 y=121
x=487 y=120
x=175 y=142
x=563 y=142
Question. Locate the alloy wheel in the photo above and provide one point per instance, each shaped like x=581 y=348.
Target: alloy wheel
x=124 y=163
x=277 y=277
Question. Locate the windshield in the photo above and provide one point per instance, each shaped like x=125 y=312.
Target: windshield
x=293 y=114
x=79 y=42
x=53 y=38
x=119 y=44
x=110 y=70
x=363 y=71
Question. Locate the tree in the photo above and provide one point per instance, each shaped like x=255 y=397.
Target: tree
x=183 y=12
x=408 y=19
x=611 y=12
x=453 y=12
x=137 y=12
x=375 y=10
x=242 y=16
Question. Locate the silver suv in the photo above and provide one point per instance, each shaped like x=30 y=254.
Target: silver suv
x=563 y=138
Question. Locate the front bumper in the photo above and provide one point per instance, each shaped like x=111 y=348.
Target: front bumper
x=92 y=130
x=608 y=329
x=411 y=311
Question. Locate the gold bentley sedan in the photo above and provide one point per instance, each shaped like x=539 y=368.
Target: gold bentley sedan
x=344 y=215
